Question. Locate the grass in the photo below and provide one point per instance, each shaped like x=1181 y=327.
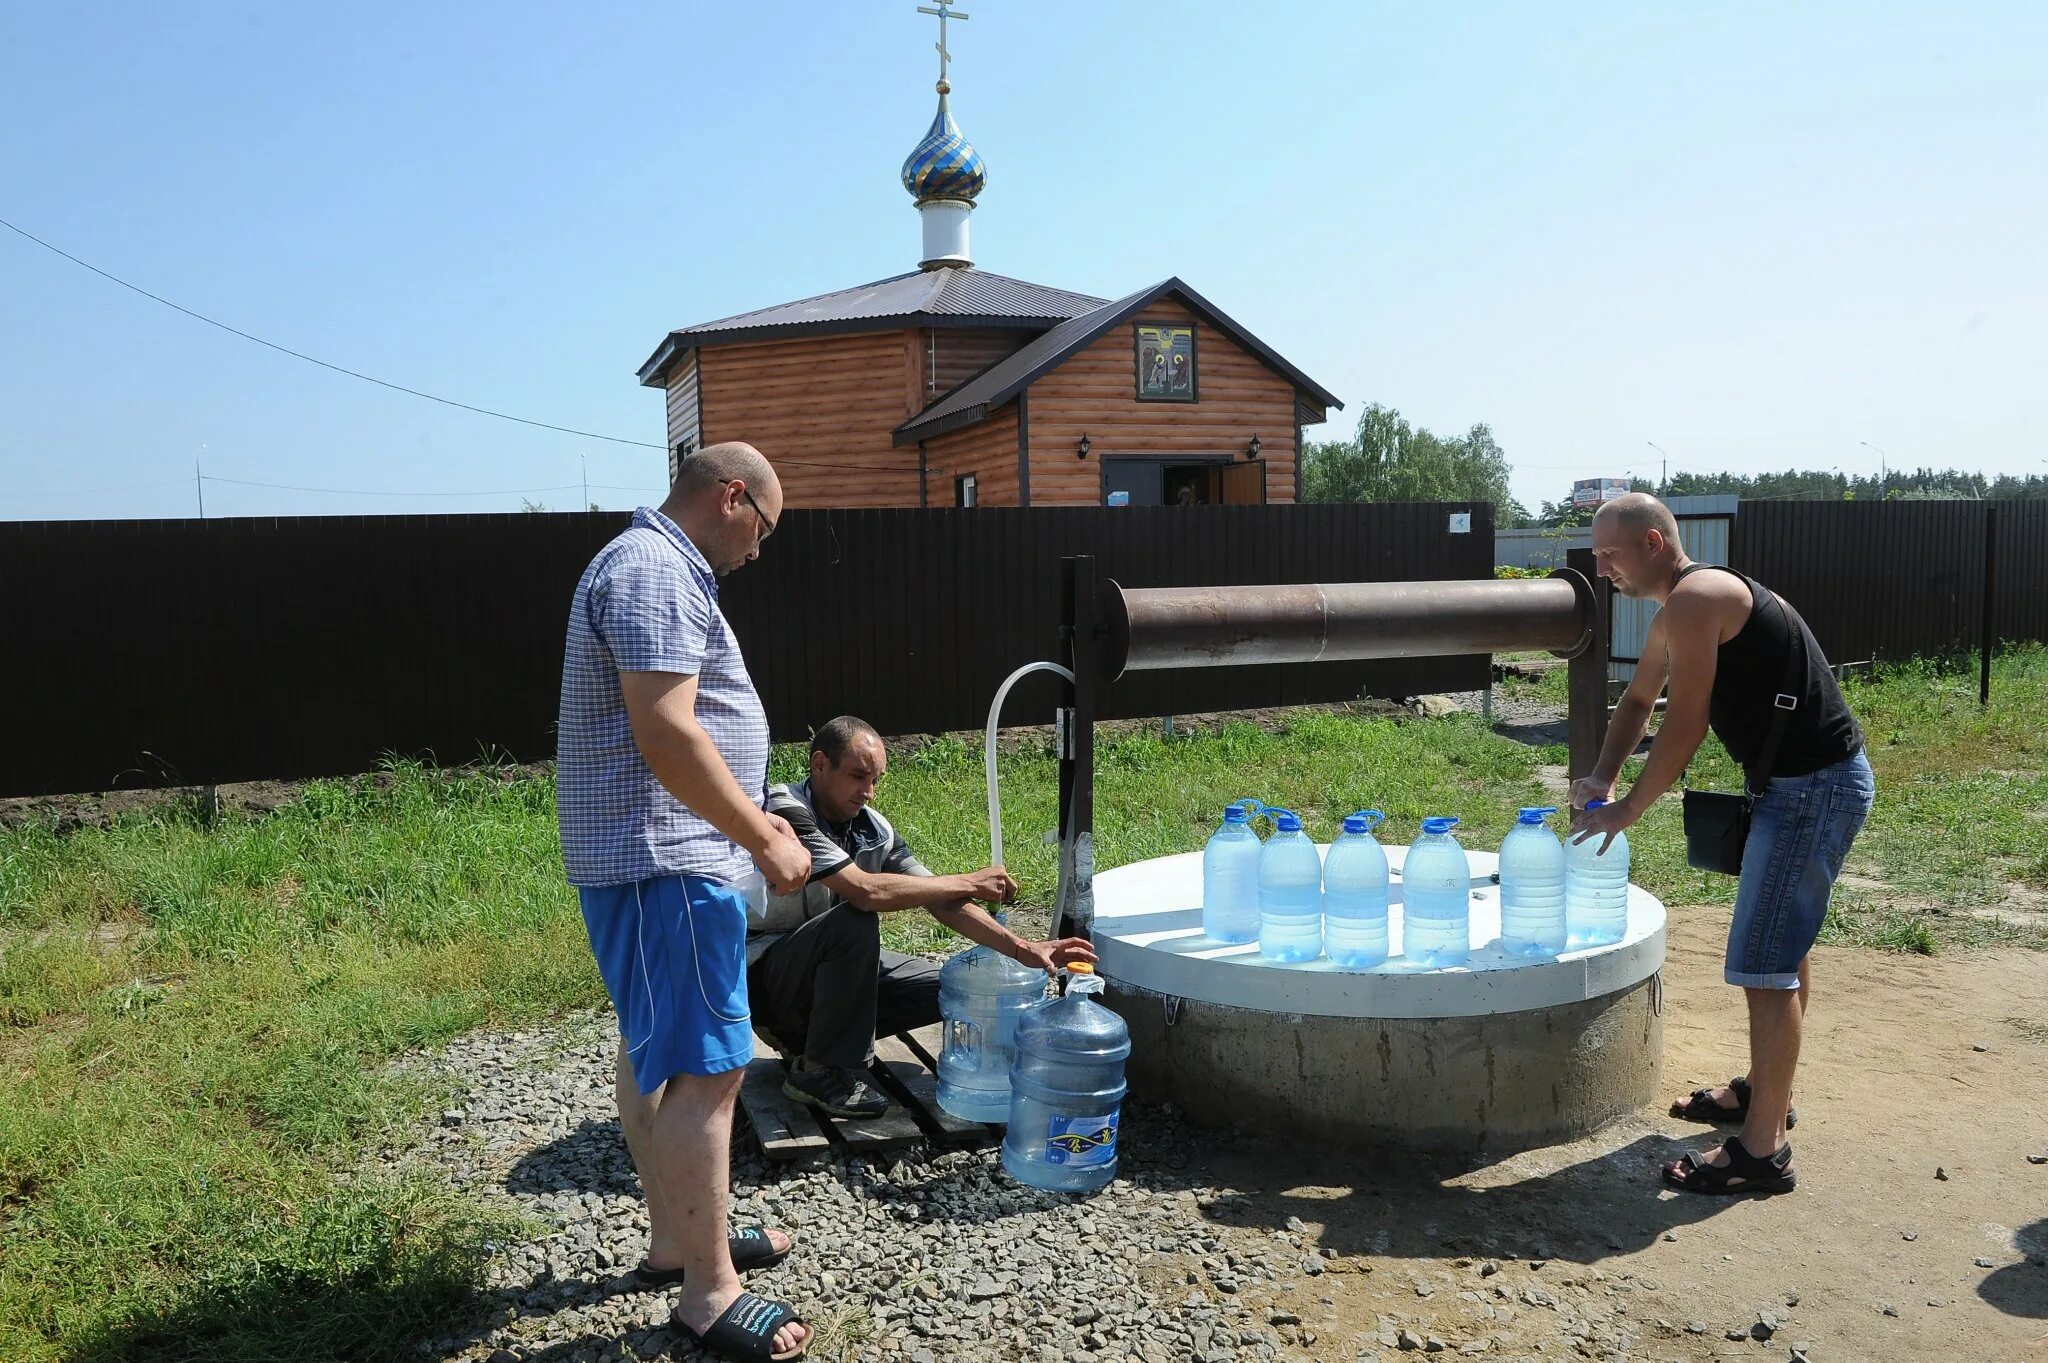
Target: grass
x=196 y=1018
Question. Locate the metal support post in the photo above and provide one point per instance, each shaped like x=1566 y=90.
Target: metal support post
x=1587 y=675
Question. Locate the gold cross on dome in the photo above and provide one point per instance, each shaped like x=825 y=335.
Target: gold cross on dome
x=942 y=11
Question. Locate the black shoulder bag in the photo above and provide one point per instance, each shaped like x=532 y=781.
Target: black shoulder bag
x=1717 y=825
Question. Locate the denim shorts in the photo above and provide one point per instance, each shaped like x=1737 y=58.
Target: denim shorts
x=673 y=953
x=1799 y=836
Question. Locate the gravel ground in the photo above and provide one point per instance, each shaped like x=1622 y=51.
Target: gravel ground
x=937 y=1255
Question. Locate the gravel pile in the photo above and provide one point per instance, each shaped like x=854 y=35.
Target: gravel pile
x=936 y=1255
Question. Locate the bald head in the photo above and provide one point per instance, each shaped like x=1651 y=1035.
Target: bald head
x=727 y=499
x=717 y=465
x=1635 y=543
x=1633 y=513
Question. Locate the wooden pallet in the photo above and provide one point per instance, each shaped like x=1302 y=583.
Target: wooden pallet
x=904 y=1068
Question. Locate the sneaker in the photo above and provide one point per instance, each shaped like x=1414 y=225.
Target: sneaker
x=843 y=1093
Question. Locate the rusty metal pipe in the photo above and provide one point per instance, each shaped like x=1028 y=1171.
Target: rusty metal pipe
x=1148 y=628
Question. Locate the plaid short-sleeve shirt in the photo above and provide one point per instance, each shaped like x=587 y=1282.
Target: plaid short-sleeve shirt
x=648 y=603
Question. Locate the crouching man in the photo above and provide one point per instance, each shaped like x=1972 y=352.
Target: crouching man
x=821 y=984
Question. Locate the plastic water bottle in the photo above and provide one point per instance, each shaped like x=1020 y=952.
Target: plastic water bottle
x=1436 y=898
x=1290 y=893
x=1067 y=1090
x=1355 y=894
x=1532 y=887
x=982 y=993
x=1596 y=889
x=1230 y=876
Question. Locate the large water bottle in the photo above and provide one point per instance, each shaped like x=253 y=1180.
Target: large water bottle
x=1230 y=876
x=1067 y=1090
x=1355 y=894
x=1596 y=889
x=1532 y=887
x=1290 y=893
x=1436 y=898
x=982 y=993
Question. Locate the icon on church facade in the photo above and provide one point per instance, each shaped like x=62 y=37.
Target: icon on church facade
x=1166 y=363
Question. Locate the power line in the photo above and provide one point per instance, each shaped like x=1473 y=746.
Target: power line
x=301 y=355
x=99 y=491
x=361 y=492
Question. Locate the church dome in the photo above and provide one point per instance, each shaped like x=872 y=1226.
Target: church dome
x=945 y=164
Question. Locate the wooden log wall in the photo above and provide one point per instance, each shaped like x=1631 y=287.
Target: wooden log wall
x=987 y=449
x=1095 y=394
x=824 y=409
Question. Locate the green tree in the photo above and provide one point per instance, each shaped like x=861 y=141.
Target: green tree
x=1388 y=460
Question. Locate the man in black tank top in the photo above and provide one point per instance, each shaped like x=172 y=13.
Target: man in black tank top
x=1736 y=656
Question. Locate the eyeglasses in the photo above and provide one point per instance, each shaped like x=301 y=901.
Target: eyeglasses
x=767 y=526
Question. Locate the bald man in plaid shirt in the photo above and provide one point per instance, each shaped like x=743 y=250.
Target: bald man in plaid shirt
x=661 y=777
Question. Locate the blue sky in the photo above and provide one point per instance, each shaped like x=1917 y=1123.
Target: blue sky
x=1753 y=236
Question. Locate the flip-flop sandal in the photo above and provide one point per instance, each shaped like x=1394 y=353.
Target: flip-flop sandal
x=1743 y=1173
x=750 y=1249
x=746 y=1332
x=1701 y=1107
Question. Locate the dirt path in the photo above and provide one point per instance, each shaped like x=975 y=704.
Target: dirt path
x=1891 y=1090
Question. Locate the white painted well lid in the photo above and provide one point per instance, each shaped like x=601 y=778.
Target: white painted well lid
x=1148 y=933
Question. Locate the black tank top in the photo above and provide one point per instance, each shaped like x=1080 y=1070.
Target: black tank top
x=1749 y=674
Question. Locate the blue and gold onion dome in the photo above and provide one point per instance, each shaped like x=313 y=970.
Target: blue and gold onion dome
x=945 y=164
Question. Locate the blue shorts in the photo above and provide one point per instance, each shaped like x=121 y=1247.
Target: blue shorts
x=1799 y=836
x=673 y=953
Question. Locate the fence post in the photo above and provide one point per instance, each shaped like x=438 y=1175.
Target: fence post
x=1987 y=631
x=1586 y=677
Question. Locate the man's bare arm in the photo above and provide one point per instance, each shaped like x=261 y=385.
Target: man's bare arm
x=662 y=708
x=1631 y=720
x=884 y=892
x=1692 y=650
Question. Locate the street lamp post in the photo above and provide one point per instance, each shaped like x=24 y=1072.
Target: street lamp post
x=1664 y=480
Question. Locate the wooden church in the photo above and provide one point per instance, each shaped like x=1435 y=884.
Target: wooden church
x=952 y=386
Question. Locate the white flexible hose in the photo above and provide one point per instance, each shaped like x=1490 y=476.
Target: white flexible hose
x=995 y=710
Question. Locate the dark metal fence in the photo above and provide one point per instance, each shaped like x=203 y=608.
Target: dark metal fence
x=142 y=653
x=1894 y=579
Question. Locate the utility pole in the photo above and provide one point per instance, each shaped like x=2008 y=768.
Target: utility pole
x=584 y=460
x=199 y=484
x=1884 y=475
x=1664 y=481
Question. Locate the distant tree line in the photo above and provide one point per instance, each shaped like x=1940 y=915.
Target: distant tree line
x=1390 y=460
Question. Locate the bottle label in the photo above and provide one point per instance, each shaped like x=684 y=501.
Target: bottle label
x=1081 y=1142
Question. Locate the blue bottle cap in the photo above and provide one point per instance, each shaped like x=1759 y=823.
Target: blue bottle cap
x=1364 y=821
x=1442 y=823
x=1534 y=814
x=1235 y=814
x=1595 y=804
x=1285 y=820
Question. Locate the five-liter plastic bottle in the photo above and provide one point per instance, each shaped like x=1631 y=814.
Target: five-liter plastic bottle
x=1290 y=893
x=1230 y=876
x=1532 y=919
x=1596 y=889
x=1355 y=894
x=1436 y=897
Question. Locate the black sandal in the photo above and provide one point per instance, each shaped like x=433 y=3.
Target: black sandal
x=1744 y=1172
x=1701 y=1107
x=746 y=1331
x=750 y=1249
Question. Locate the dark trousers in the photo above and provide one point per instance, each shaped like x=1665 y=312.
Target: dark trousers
x=830 y=988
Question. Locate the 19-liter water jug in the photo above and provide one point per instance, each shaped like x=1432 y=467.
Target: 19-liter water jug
x=1596 y=889
x=1067 y=1090
x=1355 y=894
x=982 y=993
x=1290 y=893
x=1532 y=887
x=1230 y=876
x=1436 y=898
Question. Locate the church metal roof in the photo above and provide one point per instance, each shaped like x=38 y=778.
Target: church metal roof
x=949 y=297
x=1001 y=382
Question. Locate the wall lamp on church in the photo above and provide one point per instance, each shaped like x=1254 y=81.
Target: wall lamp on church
x=1081 y=449
x=1251 y=449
